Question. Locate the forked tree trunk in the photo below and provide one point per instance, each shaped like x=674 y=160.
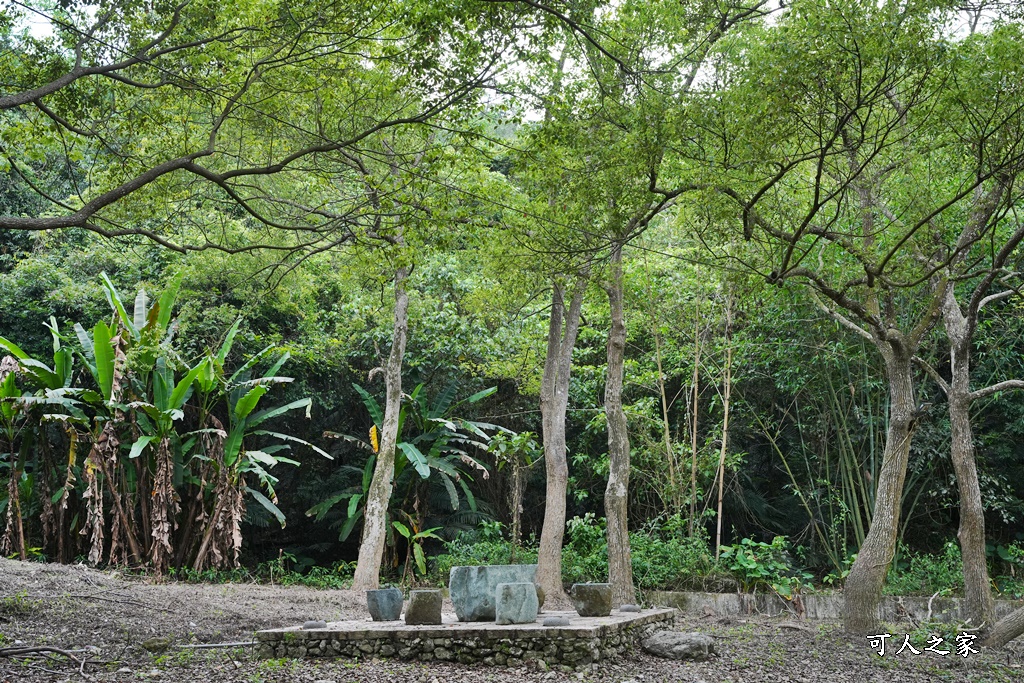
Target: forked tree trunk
x=978 y=600
x=863 y=589
x=375 y=513
x=616 y=495
x=554 y=400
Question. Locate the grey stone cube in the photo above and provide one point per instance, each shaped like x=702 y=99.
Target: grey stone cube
x=592 y=599
x=472 y=589
x=385 y=604
x=515 y=603
x=424 y=607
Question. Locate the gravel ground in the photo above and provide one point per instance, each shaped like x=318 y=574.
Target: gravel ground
x=104 y=618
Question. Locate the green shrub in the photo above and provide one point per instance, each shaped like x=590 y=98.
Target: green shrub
x=666 y=558
x=754 y=564
x=486 y=545
x=924 y=574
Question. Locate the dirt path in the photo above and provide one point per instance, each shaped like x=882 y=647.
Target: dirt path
x=105 y=619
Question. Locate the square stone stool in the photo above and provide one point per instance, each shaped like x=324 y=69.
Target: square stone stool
x=515 y=603
x=424 y=607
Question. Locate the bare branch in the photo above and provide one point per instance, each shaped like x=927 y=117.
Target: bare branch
x=1000 y=386
x=933 y=373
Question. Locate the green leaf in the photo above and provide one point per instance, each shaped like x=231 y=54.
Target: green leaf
x=453 y=495
x=353 y=505
x=294 y=439
x=266 y=502
x=250 y=363
x=443 y=400
x=139 y=445
x=42 y=374
x=421 y=561
x=233 y=444
x=13 y=348
x=183 y=389
x=229 y=340
x=480 y=395
x=86 y=341
x=269 y=413
x=246 y=404
x=371 y=405
x=141 y=309
x=348 y=526
x=416 y=458
x=266 y=458
x=104 y=354
x=166 y=303
x=402 y=529
x=114 y=299
x=272 y=372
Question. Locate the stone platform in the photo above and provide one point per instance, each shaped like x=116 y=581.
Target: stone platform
x=584 y=641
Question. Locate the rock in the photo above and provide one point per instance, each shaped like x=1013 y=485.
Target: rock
x=385 y=604
x=312 y=624
x=424 y=607
x=676 y=645
x=156 y=644
x=515 y=603
x=555 y=621
x=629 y=608
x=472 y=588
x=592 y=599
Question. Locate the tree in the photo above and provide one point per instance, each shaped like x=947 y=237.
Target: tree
x=221 y=107
x=879 y=258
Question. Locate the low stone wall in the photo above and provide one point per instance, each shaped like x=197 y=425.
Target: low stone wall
x=564 y=648
x=892 y=608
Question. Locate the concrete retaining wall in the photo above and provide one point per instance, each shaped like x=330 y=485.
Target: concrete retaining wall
x=815 y=606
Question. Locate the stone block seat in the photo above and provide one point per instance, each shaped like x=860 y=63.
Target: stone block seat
x=473 y=588
x=515 y=603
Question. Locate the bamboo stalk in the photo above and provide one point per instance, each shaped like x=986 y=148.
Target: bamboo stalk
x=725 y=422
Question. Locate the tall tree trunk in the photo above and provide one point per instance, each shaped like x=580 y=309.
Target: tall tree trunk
x=554 y=400
x=375 y=514
x=863 y=589
x=977 y=591
x=616 y=495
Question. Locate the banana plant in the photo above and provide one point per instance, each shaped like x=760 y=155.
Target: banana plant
x=435 y=449
x=24 y=416
x=414 y=538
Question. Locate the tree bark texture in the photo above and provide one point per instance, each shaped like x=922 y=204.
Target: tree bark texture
x=616 y=495
x=863 y=589
x=375 y=514
x=977 y=590
x=554 y=400
x=1006 y=629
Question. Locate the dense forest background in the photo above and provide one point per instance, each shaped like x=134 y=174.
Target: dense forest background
x=755 y=180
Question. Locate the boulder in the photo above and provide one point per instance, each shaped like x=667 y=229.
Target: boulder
x=592 y=599
x=676 y=645
x=473 y=588
x=629 y=608
x=516 y=603
x=314 y=624
x=385 y=604
x=556 y=621
x=424 y=607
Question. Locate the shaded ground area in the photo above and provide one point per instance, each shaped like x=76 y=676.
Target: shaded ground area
x=104 y=620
